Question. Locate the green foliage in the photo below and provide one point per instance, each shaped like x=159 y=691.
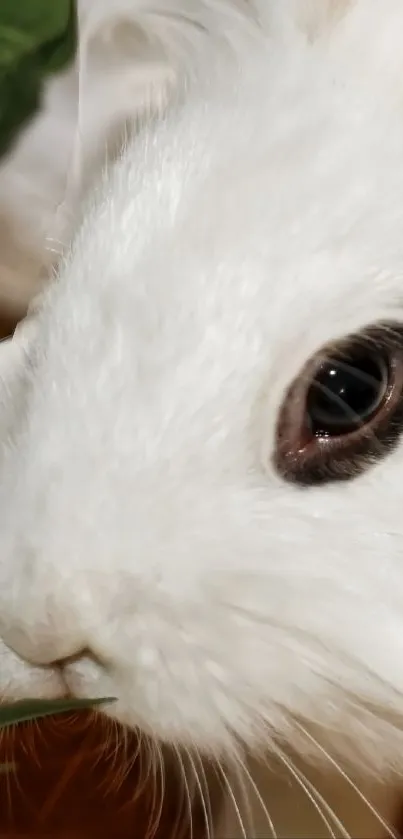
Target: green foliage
x=37 y=38
x=27 y=710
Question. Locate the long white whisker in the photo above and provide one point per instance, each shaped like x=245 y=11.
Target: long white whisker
x=315 y=798
x=390 y=832
x=233 y=800
x=156 y=768
x=207 y=801
x=206 y=811
x=161 y=773
x=242 y=784
x=187 y=790
x=252 y=783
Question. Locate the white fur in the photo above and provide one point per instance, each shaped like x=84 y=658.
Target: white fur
x=140 y=518
x=130 y=54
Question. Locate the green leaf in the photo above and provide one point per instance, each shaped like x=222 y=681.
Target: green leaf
x=26 y=25
x=32 y=709
x=19 y=100
x=37 y=37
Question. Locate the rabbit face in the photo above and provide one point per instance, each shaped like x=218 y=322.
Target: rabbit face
x=201 y=487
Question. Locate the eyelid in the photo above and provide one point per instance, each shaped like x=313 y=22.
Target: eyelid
x=305 y=459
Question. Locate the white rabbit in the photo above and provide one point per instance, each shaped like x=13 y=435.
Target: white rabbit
x=193 y=518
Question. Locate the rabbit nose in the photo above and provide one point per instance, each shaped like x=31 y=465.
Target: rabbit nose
x=44 y=630
x=42 y=648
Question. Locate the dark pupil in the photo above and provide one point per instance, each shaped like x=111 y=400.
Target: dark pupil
x=345 y=393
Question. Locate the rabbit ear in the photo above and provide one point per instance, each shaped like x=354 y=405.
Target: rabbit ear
x=130 y=55
x=166 y=22
x=147 y=40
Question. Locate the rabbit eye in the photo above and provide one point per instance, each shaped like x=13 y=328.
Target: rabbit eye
x=344 y=411
x=346 y=392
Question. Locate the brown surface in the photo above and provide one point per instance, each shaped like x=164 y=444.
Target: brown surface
x=80 y=777
x=399 y=824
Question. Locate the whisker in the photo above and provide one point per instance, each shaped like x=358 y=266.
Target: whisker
x=179 y=826
x=126 y=762
x=247 y=807
x=157 y=773
x=390 y=832
x=252 y=783
x=316 y=799
x=235 y=805
x=186 y=789
x=205 y=807
x=206 y=783
x=161 y=786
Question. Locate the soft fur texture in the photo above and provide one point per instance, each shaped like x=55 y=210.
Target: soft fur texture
x=131 y=54
x=143 y=530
